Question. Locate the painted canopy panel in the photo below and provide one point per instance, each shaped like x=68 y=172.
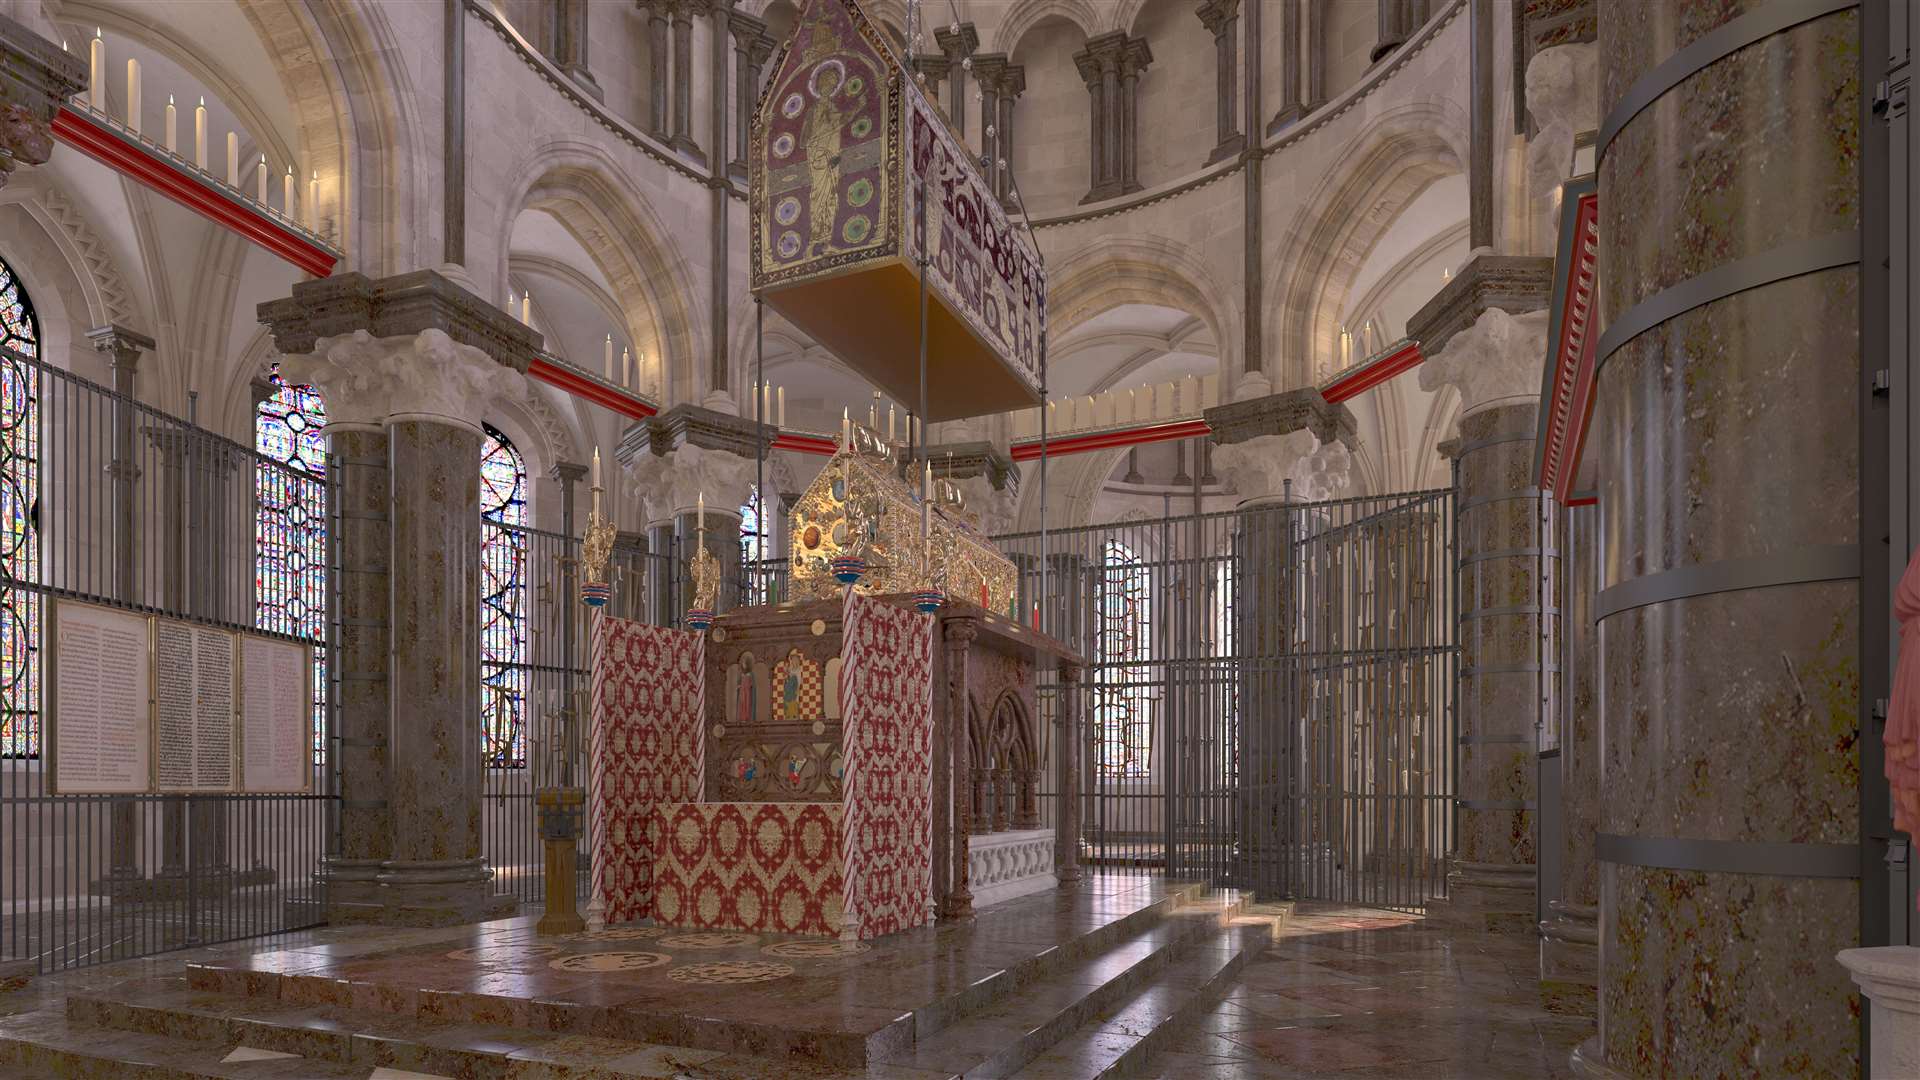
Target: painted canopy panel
x=843 y=143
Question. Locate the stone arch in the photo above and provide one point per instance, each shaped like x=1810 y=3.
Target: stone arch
x=1357 y=200
x=1113 y=270
x=1026 y=13
x=332 y=54
x=594 y=199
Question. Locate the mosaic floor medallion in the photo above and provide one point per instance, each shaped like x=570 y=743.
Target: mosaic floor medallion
x=623 y=933
x=602 y=962
x=503 y=953
x=708 y=941
x=817 y=950
x=731 y=971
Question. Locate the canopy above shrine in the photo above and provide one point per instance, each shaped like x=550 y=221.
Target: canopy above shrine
x=844 y=147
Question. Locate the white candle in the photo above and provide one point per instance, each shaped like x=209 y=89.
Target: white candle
x=703 y=512
x=97 y=76
x=133 y=95
x=313 y=201
x=782 y=397
x=286 y=194
x=173 y=127
x=233 y=159
x=609 y=357
x=526 y=307
x=766 y=403
x=260 y=180
x=846 y=430
x=889 y=423
x=626 y=368
x=200 y=136
x=596 y=482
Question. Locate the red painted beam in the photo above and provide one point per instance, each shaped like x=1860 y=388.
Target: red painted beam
x=566 y=378
x=1107 y=440
x=1569 y=400
x=1372 y=373
x=121 y=154
x=805 y=444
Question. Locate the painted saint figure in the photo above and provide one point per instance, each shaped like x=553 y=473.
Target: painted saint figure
x=821 y=132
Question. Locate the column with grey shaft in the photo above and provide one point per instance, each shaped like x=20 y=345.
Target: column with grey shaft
x=1222 y=20
x=1133 y=61
x=1291 y=108
x=957 y=637
x=1013 y=83
x=683 y=12
x=1393 y=18
x=1726 y=439
x=1072 y=735
x=1569 y=934
x=748 y=34
x=659 y=34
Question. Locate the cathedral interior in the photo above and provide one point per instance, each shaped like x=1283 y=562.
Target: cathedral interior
x=1254 y=539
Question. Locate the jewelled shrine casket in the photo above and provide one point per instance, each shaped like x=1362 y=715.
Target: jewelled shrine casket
x=843 y=144
x=858 y=505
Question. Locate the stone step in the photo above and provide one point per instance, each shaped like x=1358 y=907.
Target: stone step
x=48 y=1044
x=1004 y=1036
x=1120 y=1039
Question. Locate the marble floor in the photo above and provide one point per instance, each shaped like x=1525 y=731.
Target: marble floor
x=1360 y=994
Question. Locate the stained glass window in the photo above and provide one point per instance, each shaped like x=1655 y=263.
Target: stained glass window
x=19 y=529
x=755 y=545
x=290 y=526
x=503 y=603
x=1123 y=712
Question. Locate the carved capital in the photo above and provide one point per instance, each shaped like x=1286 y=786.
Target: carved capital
x=1512 y=283
x=1218 y=15
x=745 y=28
x=36 y=78
x=122 y=346
x=957 y=46
x=1495 y=361
x=958 y=634
x=402 y=305
x=673 y=483
x=1259 y=468
x=368 y=380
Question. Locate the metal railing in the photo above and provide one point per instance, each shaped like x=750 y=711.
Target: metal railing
x=109 y=501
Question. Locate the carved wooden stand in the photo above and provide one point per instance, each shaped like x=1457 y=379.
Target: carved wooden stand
x=560 y=813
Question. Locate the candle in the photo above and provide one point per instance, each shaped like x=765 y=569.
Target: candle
x=609 y=357
x=173 y=127
x=133 y=95
x=889 y=423
x=766 y=403
x=233 y=159
x=703 y=514
x=260 y=180
x=286 y=194
x=846 y=430
x=596 y=483
x=526 y=307
x=97 y=76
x=200 y=136
x=873 y=411
x=313 y=201
x=782 y=398
x=626 y=368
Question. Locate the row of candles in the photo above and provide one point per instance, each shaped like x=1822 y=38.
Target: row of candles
x=97 y=100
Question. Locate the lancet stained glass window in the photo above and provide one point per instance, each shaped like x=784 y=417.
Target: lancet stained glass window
x=755 y=543
x=290 y=526
x=1123 y=711
x=20 y=530
x=503 y=603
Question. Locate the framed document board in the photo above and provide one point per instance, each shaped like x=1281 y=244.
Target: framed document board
x=139 y=704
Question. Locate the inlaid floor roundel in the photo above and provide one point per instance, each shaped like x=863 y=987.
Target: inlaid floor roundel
x=714 y=940
x=731 y=971
x=816 y=950
x=622 y=933
x=610 y=961
x=503 y=953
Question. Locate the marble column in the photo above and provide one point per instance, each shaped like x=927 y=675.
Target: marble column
x=37 y=77
x=1394 y=16
x=659 y=31
x=1133 y=63
x=1099 y=73
x=1291 y=108
x=409 y=365
x=1726 y=440
x=1317 y=53
x=1503 y=538
x=1013 y=83
x=689 y=453
x=1072 y=738
x=682 y=140
x=957 y=637
x=1570 y=935
x=1222 y=20
x=988 y=68
x=751 y=47
x=570 y=37
x=957 y=42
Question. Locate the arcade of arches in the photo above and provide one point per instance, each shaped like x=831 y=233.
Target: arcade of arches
x=1454 y=539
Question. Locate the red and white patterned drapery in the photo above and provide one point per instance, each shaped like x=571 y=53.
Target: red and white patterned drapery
x=886 y=694
x=648 y=747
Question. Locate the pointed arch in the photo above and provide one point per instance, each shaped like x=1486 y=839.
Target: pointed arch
x=595 y=200
x=1025 y=14
x=1114 y=270
x=1357 y=200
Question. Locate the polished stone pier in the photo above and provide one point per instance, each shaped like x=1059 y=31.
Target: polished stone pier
x=1726 y=442
x=1569 y=934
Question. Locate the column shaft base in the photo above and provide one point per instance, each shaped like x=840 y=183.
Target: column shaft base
x=1488 y=898
x=1570 y=960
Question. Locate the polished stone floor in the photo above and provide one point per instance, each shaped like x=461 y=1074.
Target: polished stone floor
x=1360 y=994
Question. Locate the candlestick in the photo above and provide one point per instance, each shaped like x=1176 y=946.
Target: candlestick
x=260 y=180
x=173 y=127
x=873 y=411
x=233 y=159
x=133 y=95
x=97 y=72
x=609 y=357
x=286 y=194
x=200 y=136
x=782 y=397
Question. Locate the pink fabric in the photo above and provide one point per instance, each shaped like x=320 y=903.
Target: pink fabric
x=886 y=692
x=1903 y=716
x=648 y=745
